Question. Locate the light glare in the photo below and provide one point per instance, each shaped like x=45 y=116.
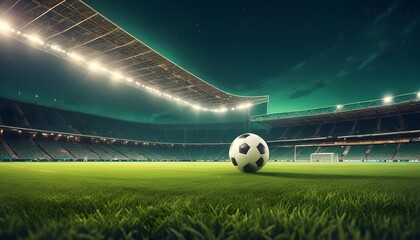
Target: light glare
x=75 y=57
x=35 y=39
x=5 y=27
x=117 y=76
x=387 y=99
x=96 y=67
x=245 y=105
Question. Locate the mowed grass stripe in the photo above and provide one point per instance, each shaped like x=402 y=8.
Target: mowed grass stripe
x=209 y=200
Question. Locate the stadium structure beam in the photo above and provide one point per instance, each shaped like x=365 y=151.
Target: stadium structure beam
x=72 y=28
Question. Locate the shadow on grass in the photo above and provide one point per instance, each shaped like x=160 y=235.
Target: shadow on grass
x=328 y=176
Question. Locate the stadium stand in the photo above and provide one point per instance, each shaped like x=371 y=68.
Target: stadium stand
x=3 y=153
x=277 y=133
x=156 y=141
x=343 y=128
x=282 y=153
x=308 y=131
x=304 y=153
x=25 y=148
x=366 y=126
x=356 y=153
x=54 y=149
x=56 y=121
x=12 y=117
x=292 y=132
x=17 y=114
x=411 y=121
x=382 y=152
x=98 y=150
x=390 y=124
x=76 y=122
x=79 y=151
x=112 y=152
x=34 y=117
x=133 y=153
x=216 y=153
x=409 y=151
x=325 y=130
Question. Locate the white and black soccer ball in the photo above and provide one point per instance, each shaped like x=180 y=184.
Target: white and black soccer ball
x=248 y=153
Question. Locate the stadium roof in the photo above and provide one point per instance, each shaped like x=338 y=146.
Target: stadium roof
x=72 y=30
x=402 y=104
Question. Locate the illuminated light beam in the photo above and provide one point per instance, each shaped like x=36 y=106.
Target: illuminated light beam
x=418 y=95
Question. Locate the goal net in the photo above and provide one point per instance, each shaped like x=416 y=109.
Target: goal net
x=324 y=157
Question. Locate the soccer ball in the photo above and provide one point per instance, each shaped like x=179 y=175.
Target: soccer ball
x=248 y=153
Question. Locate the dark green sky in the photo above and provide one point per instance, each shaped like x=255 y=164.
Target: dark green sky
x=303 y=54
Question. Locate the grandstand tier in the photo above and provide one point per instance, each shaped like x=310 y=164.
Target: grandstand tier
x=34 y=132
x=39 y=118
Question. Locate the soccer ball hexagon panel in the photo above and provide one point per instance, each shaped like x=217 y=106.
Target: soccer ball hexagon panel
x=249 y=153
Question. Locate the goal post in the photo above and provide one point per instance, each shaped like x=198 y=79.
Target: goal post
x=324 y=157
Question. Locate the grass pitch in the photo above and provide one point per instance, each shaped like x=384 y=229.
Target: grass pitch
x=209 y=201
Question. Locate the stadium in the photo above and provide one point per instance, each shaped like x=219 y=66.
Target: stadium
x=102 y=136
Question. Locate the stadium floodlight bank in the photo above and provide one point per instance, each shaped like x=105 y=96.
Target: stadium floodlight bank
x=324 y=157
x=74 y=31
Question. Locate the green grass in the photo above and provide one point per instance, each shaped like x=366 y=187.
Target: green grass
x=209 y=201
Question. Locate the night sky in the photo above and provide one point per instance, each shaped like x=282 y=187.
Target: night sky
x=303 y=54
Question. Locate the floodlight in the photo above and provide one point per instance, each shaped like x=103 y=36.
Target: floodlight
x=223 y=109
x=244 y=105
x=339 y=107
x=75 y=57
x=5 y=27
x=116 y=76
x=35 y=39
x=96 y=67
x=167 y=95
x=56 y=48
x=418 y=94
x=387 y=99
